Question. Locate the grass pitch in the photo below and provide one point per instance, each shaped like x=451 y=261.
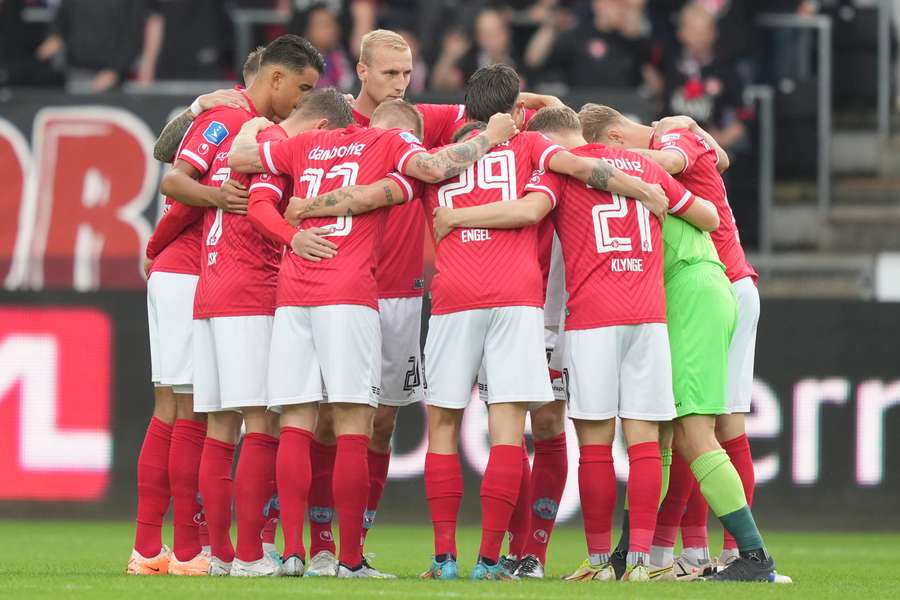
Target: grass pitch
x=59 y=559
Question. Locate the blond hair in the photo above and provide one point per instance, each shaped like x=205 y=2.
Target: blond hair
x=596 y=120
x=380 y=38
x=555 y=120
x=400 y=114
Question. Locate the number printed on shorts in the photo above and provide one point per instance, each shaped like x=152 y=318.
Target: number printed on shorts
x=617 y=209
x=494 y=171
x=412 y=375
x=313 y=177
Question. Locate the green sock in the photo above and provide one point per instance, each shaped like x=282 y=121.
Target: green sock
x=721 y=486
x=666 y=455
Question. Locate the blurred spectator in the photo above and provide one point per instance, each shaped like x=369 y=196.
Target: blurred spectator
x=18 y=41
x=184 y=39
x=418 y=81
x=100 y=39
x=608 y=50
x=320 y=25
x=701 y=85
x=459 y=59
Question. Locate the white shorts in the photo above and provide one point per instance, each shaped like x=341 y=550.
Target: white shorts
x=510 y=342
x=230 y=362
x=315 y=348
x=401 y=327
x=170 y=313
x=619 y=371
x=742 y=351
x=553 y=342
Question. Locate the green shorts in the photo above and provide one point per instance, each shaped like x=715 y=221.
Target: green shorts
x=701 y=311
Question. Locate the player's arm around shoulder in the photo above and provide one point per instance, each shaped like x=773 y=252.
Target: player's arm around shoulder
x=702 y=214
x=353 y=200
x=672 y=162
x=245 y=153
x=527 y=210
x=452 y=160
x=601 y=175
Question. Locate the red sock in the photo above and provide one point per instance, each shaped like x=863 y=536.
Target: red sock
x=294 y=478
x=153 y=488
x=644 y=484
x=254 y=484
x=321 y=498
x=548 y=480
x=272 y=512
x=351 y=491
x=520 y=522
x=378 y=470
x=444 y=490
x=681 y=482
x=738 y=450
x=693 y=523
x=217 y=492
x=597 y=488
x=184 y=466
x=499 y=492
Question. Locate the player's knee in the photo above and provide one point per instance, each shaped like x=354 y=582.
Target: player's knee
x=548 y=421
x=383 y=428
x=164 y=406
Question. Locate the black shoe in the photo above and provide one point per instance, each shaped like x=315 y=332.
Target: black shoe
x=617 y=560
x=754 y=565
x=509 y=562
x=531 y=567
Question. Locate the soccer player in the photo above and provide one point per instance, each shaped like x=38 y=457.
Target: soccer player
x=693 y=157
x=230 y=330
x=616 y=353
x=702 y=316
x=169 y=458
x=515 y=348
x=166 y=146
x=329 y=308
x=384 y=70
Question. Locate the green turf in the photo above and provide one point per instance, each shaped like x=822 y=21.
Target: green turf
x=60 y=560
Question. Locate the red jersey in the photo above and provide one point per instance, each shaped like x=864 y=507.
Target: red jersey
x=320 y=162
x=612 y=245
x=239 y=270
x=198 y=147
x=701 y=176
x=484 y=268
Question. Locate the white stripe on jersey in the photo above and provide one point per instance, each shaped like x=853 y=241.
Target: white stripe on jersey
x=268 y=156
x=549 y=149
x=197 y=158
x=682 y=202
x=268 y=186
x=404 y=183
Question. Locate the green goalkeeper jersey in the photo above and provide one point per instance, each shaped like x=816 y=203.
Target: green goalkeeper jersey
x=685 y=245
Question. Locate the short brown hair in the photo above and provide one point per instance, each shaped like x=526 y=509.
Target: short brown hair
x=251 y=65
x=325 y=103
x=556 y=119
x=596 y=119
x=382 y=38
x=468 y=128
x=400 y=114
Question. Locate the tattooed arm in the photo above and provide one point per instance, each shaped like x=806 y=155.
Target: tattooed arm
x=601 y=175
x=167 y=145
x=352 y=200
x=456 y=158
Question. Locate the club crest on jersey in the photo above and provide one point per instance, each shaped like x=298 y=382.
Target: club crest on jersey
x=265 y=177
x=321 y=514
x=408 y=136
x=203 y=148
x=545 y=508
x=215 y=133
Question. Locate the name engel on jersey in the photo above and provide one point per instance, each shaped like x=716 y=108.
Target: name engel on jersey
x=319 y=153
x=475 y=235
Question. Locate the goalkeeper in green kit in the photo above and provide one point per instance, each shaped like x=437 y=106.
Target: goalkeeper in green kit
x=701 y=311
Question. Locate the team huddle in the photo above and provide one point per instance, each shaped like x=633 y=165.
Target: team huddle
x=574 y=278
